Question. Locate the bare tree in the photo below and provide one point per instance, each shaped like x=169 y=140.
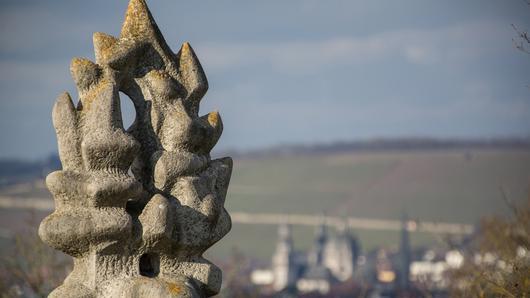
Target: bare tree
x=522 y=40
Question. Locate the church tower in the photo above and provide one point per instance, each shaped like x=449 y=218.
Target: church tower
x=282 y=260
x=404 y=254
x=341 y=253
x=316 y=255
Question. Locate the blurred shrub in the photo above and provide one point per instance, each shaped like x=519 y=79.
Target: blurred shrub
x=497 y=262
x=30 y=268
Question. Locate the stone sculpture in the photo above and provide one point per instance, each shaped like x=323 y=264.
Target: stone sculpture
x=137 y=208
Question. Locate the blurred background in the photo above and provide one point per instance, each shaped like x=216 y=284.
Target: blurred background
x=408 y=122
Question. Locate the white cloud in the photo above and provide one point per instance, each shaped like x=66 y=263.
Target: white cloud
x=453 y=44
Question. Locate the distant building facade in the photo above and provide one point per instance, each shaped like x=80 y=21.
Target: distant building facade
x=332 y=259
x=283 y=260
x=334 y=263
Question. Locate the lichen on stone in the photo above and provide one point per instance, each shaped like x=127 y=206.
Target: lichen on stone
x=137 y=208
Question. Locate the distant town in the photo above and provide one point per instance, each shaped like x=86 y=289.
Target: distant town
x=336 y=266
x=337 y=263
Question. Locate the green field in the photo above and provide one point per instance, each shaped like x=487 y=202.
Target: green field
x=447 y=186
x=434 y=185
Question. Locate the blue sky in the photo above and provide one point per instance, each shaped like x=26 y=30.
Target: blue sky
x=298 y=71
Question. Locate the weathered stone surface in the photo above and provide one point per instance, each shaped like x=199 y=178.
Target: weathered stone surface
x=141 y=234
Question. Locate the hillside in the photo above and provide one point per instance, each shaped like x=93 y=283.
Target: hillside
x=458 y=184
x=443 y=185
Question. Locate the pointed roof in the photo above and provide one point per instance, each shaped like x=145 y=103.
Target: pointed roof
x=322 y=230
x=284 y=231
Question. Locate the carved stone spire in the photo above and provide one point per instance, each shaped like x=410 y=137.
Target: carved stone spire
x=139 y=235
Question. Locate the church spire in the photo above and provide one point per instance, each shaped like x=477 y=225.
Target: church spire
x=404 y=253
x=321 y=237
